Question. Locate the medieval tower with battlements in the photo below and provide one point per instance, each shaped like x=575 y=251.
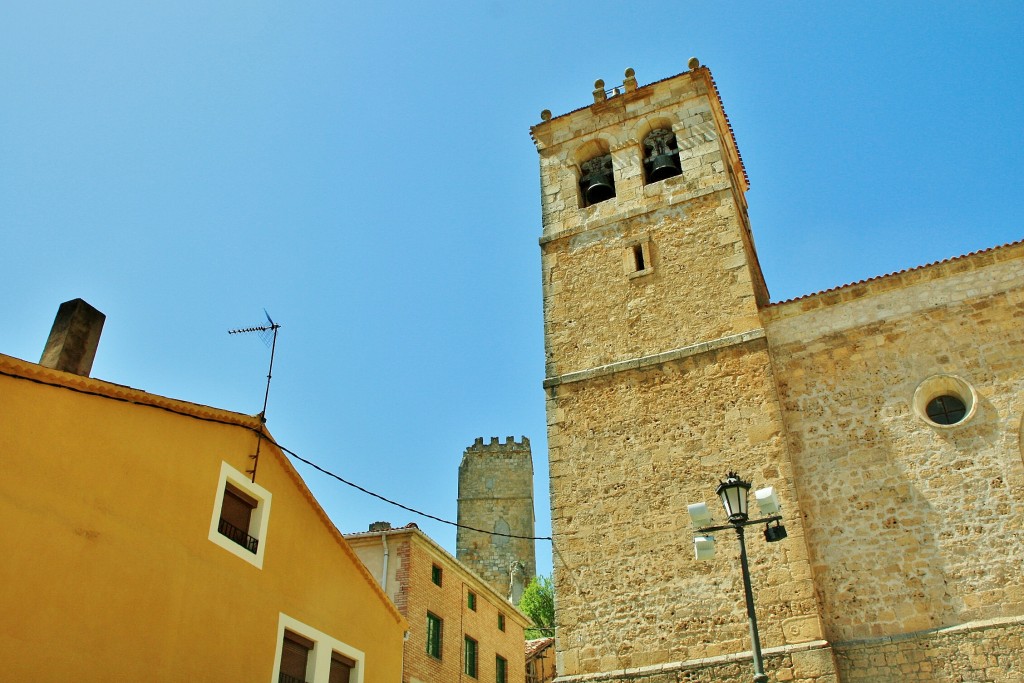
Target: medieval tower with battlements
x=887 y=416
x=496 y=495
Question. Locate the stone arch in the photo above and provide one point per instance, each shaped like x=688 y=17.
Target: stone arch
x=648 y=124
x=595 y=171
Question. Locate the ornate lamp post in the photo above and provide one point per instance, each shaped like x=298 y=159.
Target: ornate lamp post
x=734 y=494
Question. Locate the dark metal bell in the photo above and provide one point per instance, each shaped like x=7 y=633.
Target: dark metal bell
x=663 y=166
x=598 y=188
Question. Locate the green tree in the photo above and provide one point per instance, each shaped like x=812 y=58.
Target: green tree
x=538 y=603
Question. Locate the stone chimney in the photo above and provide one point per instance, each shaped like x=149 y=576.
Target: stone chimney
x=380 y=526
x=73 y=338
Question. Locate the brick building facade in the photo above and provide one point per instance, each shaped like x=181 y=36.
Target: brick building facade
x=668 y=366
x=460 y=628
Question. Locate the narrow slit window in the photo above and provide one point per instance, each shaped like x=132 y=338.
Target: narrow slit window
x=638 y=257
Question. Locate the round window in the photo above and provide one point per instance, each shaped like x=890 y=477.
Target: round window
x=945 y=401
x=946 y=410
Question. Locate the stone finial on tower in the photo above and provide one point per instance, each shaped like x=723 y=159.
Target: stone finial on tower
x=630 y=81
x=73 y=339
x=694 y=63
x=599 y=94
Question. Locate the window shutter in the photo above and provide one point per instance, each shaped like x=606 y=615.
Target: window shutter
x=341 y=668
x=294 y=655
x=237 y=508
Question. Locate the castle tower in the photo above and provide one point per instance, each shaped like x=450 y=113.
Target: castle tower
x=658 y=383
x=496 y=494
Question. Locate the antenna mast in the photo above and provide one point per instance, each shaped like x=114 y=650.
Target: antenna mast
x=268 y=333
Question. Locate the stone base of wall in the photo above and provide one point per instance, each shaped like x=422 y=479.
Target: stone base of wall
x=811 y=662
x=990 y=651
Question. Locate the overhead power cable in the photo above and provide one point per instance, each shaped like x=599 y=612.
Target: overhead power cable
x=333 y=475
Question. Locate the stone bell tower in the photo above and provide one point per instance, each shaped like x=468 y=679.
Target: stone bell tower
x=658 y=382
x=496 y=495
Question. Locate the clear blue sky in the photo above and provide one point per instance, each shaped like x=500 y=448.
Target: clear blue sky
x=364 y=171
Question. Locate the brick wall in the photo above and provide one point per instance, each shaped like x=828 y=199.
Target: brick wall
x=449 y=602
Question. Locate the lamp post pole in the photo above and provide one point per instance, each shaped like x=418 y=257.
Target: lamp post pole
x=733 y=492
x=748 y=593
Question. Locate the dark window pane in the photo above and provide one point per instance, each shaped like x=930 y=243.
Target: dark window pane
x=946 y=410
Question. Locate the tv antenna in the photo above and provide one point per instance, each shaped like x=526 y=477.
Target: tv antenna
x=268 y=335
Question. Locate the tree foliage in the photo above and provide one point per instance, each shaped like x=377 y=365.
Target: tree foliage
x=538 y=603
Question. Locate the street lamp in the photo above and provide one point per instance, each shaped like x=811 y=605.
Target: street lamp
x=734 y=494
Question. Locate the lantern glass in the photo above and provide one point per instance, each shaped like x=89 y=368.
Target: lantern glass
x=733 y=492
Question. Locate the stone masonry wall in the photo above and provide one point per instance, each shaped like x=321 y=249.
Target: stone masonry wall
x=628 y=452
x=910 y=526
x=496 y=494
x=597 y=314
x=991 y=651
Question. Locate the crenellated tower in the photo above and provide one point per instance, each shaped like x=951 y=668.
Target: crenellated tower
x=496 y=495
x=658 y=382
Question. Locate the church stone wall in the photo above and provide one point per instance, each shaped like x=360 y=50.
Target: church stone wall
x=991 y=651
x=910 y=526
x=905 y=538
x=627 y=455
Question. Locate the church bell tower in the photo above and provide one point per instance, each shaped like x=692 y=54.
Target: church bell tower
x=658 y=382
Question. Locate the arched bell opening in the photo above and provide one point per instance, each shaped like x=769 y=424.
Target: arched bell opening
x=597 y=183
x=661 y=156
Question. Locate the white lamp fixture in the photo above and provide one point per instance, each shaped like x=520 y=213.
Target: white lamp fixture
x=767 y=501
x=700 y=516
x=704 y=547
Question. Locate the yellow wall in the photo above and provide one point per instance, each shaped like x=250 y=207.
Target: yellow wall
x=106 y=566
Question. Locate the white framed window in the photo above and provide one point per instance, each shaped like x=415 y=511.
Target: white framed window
x=241 y=510
x=308 y=655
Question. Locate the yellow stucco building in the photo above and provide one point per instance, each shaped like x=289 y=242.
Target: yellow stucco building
x=138 y=546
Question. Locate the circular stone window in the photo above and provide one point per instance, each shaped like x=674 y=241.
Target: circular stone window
x=945 y=401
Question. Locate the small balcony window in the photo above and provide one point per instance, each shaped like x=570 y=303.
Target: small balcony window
x=236 y=516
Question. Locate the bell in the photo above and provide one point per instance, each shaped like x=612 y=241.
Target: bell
x=663 y=166
x=598 y=187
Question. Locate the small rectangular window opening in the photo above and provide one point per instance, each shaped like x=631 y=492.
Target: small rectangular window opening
x=294 y=658
x=471 y=600
x=638 y=257
x=501 y=622
x=341 y=668
x=470 y=661
x=436 y=575
x=434 y=635
x=500 y=669
x=236 y=517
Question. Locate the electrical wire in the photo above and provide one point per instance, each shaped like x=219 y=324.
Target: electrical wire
x=290 y=452
x=368 y=492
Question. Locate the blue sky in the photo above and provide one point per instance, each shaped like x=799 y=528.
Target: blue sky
x=364 y=172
